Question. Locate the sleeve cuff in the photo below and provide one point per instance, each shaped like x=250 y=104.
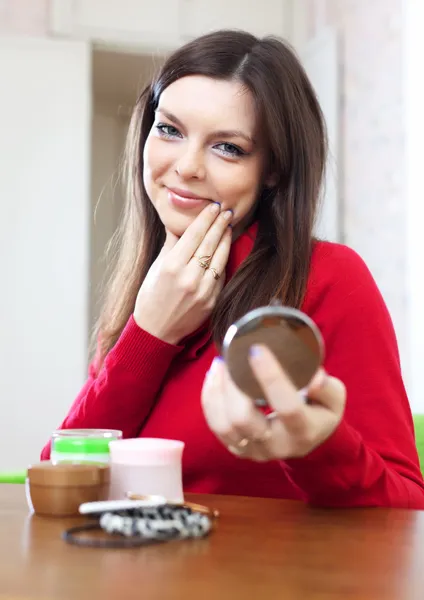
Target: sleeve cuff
x=139 y=352
x=334 y=465
x=340 y=448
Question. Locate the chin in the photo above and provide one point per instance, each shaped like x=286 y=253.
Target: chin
x=177 y=223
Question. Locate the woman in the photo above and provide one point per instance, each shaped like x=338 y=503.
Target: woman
x=225 y=159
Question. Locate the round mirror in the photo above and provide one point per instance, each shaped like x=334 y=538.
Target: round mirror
x=291 y=335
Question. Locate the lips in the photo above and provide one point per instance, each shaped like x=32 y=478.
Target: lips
x=185 y=200
x=186 y=194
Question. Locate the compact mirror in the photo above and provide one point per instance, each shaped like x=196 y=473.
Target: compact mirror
x=291 y=335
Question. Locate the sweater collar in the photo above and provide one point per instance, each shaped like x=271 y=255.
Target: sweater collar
x=240 y=250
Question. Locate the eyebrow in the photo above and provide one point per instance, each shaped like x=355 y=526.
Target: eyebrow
x=230 y=133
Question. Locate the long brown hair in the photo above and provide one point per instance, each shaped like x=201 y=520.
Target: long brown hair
x=294 y=128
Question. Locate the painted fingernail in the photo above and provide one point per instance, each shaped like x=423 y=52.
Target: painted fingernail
x=255 y=351
x=214 y=366
x=227 y=215
x=215 y=208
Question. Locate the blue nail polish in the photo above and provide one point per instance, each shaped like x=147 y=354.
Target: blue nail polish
x=255 y=351
x=215 y=363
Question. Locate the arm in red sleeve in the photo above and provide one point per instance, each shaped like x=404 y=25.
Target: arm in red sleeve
x=371 y=459
x=121 y=395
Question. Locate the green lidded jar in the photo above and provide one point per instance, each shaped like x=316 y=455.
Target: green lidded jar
x=82 y=446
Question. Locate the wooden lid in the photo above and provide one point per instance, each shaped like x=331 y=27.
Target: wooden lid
x=68 y=475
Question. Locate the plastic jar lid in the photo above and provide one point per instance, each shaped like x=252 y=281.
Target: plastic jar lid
x=82 y=445
x=146 y=451
x=84 y=441
x=88 y=433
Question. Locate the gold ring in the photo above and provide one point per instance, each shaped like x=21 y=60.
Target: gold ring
x=235 y=450
x=240 y=447
x=215 y=273
x=243 y=443
x=204 y=261
x=261 y=439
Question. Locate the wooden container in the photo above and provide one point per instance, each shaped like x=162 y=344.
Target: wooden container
x=58 y=490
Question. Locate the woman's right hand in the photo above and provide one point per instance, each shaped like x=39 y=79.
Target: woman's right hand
x=178 y=294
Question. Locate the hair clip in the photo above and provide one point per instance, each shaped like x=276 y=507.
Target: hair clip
x=200 y=508
x=129 y=527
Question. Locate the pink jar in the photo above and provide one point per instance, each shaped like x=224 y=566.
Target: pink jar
x=146 y=466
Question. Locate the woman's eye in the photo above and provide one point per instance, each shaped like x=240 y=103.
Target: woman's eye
x=230 y=149
x=167 y=130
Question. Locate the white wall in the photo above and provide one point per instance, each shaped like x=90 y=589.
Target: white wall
x=165 y=24
x=108 y=139
x=44 y=249
x=321 y=59
x=413 y=93
x=382 y=93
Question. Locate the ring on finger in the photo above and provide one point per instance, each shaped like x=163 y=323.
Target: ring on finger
x=240 y=447
x=204 y=261
x=236 y=450
x=264 y=437
x=215 y=273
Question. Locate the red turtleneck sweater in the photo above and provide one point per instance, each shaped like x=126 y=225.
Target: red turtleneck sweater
x=152 y=389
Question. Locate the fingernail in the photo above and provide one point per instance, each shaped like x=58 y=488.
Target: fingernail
x=215 y=208
x=255 y=351
x=214 y=366
x=227 y=215
x=317 y=382
x=319 y=379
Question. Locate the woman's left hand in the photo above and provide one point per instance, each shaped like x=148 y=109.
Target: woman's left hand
x=293 y=429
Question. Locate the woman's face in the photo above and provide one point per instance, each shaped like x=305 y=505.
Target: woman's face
x=203 y=147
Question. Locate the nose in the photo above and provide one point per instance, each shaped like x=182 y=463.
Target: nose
x=190 y=164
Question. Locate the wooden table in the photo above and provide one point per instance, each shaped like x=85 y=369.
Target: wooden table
x=261 y=549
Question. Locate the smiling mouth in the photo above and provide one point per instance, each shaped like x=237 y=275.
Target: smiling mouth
x=183 y=199
x=186 y=194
